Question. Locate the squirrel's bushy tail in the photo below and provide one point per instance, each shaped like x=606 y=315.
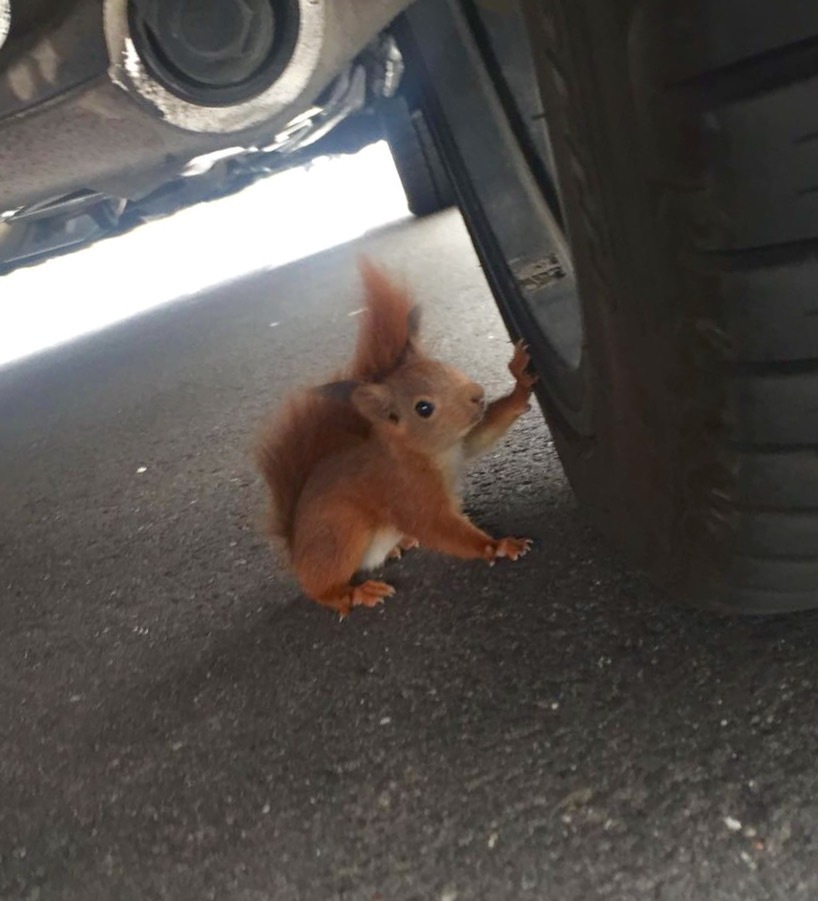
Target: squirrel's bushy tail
x=308 y=429
x=312 y=426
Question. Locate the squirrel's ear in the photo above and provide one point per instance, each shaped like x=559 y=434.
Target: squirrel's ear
x=342 y=391
x=375 y=402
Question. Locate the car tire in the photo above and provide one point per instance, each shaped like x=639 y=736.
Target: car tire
x=417 y=160
x=685 y=142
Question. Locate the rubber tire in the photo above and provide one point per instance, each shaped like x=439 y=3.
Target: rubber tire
x=420 y=167
x=685 y=137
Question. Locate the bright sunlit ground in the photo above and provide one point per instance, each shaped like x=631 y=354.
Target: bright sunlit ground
x=283 y=218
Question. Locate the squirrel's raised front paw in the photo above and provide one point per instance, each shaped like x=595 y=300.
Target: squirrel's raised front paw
x=518 y=367
x=513 y=548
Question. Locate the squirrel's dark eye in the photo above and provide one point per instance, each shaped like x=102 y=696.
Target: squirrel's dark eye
x=424 y=408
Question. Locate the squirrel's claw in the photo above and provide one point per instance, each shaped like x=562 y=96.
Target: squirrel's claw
x=342 y=607
x=518 y=366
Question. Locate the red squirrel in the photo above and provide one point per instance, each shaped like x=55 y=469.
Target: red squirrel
x=367 y=465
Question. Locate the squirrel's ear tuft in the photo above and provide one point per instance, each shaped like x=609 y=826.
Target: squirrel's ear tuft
x=388 y=330
x=341 y=391
x=375 y=403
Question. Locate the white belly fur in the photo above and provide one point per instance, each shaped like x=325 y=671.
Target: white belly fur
x=453 y=463
x=380 y=546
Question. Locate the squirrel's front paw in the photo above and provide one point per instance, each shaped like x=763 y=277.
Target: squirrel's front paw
x=518 y=367
x=405 y=544
x=513 y=548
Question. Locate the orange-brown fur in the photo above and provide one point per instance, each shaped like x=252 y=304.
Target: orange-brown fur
x=354 y=463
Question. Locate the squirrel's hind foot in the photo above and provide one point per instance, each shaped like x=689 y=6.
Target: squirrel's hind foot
x=371 y=593
x=512 y=548
x=367 y=594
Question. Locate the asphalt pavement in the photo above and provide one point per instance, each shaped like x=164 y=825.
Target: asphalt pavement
x=177 y=722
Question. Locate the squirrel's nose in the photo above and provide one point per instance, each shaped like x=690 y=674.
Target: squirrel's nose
x=478 y=396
